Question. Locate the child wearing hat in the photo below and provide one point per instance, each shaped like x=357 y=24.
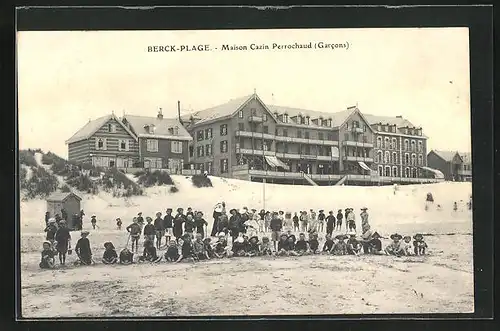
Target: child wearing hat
x=140 y=219
x=353 y=245
x=82 y=249
x=93 y=221
x=374 y=245
x=330 y=223
x=208 y=247
x=187 y=252
x=290 y=246
x=200 y=224
x=48 y=261
x=340 y=247
x=266 y=248
x=149 y=230
x=179 y=220
x=126 y=256
x=340 y=217
x=329 y=243
x=168 y=223
x=51 y=230
x=149 y=254
x=302 y=245
x=407 y=246
x=118 y=224
x=222 y=248
x=253 y=247
x=282 y=244
x=109 y=256
x=276 y=226
x=296 y=224
x=313 y=243
x=135 y=233
x=239 y=246
x=63 y=242
x=159 y=229
x=172 y=253
x=321 y=220
x=395 y=248
x=419 y=244
x=199 y=248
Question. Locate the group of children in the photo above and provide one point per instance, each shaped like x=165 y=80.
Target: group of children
x=188 y=249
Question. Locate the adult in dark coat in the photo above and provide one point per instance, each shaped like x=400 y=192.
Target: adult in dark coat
x=216 y=215
x=179 y=220
x=83 y=250
x=63 y=239
x=47 y=217
x=234 y=223
x=223 y=225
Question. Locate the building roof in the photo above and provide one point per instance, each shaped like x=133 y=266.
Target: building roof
x=93 y=126
x=446 y=155
x=162 y=126
x=338 y=118
x=466 y=157
x=62 y=196
x=400 y=122
x=223 y=110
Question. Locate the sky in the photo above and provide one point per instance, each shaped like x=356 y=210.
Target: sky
x=66 y=78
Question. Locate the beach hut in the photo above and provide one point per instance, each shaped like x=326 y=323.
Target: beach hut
x=67 y=200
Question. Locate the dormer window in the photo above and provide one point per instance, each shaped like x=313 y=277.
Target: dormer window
x=176 y=131
x=330 y=122
x=307 y=120
x=171 y=131
x=264 y=117
x=151 y=129
x=111 y=128
x=379 y=127
x=285 y=118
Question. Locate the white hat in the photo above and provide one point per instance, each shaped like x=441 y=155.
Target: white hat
x=52 y=220
x=351 y=233
x=239 y=240
x=242 y=211
x=218 y=208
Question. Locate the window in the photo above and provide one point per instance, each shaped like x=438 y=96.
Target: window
x=306 y=134
x=240 y=114
x=378 y=159
x=407 y=172
x=387 y=171
x=386 y=143
x=307 y=150
x=413 y=159
x=208 y=133
x=329 y=136
x=355 y=124
x=307 y=120
x=346 y=136
x=394 y=158
x=379 y=142
x=413 y=145
x=264 y=117
x=285 y=118
x=209 y=168
x=151 y=129
x=364 y=127
x=395 y=171
x=176 y=147
x=265 y=129
x=299 y=134
x=379 y=127
x=407 y=158
x=100 y=144
x=420 y=160
x=111 y=128
x=386 y=157
x=223 y=166
x=176 y=131
x=365 y=139
x=208 y=150
x=199 y=135
x=223 y=146
x=241 y=126
x=199 y=151
x=152 y=145
x=191 y=151
x=394 y=144
x=153 y=162
x=320 y=136
x=123 y=145
x=381 y=171
x=420 y=147
x=223 y=130
x=285 y=133
x=406 y=145
x=253 y=111
x=329 y=122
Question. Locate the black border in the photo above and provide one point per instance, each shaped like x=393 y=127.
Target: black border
x=478 y=19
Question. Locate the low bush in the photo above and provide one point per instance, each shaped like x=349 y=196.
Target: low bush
x=139 y=173
x=116 y=179
x=41 y=183
x=82 y=183
x=65 y=188
x=173 y=189
x=201 y=181
x=27 y=157
x=156 y=177
x=23 y=173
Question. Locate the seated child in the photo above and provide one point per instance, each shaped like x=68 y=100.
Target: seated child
x=419 y=244
x=374 y=245
x=327 y=247
x=266 y=248
x=221 y=247
x=109 y=256
x=172 y=253
x=239 y=246
x=407 y=246
x=313 y=243
x=340 y=248
x=199 y=248
x=353 y=245
x=48 y=261
x=282 y=245
x=395 y=248
x=126 y=256
x=302 y=245
x=149 y=254
x=208 y=247
x=246 y=243
x=290 y=246
x=187 y=252
x=253 y=248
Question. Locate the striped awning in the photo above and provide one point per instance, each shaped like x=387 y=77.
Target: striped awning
x=364 y=166
x=437 y=173
x=274 y=162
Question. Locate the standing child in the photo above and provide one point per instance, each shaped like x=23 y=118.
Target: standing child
x=296 y=226
x=178 y=222
x=340 y=216
x=63 y=240
x=276 y=227
x=159 y=229
x=419 y=244
x=51 y=230
x=304 y=219
x=321 y=221
x=83 y=250
x=109 y=256
x=172 y=253
x=267 y=221
x=48 y=261
x=126 y=256
x=93 y=221
x=395 y=248
x=118 y=224
x=149 y=230
x=168 y=225
x=330 y=223
x=351 y=220
x=288 y=222
x=200 y=224
x=135 y=233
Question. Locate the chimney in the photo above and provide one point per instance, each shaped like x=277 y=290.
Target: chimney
x=160 y=115
x=179 y=111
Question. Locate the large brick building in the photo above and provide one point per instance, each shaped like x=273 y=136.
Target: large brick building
x=248 y=139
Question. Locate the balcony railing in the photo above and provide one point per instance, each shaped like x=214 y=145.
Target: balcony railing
x=464 y=172
x=293 y=156
x=250 y=134
x=358 y=158
x=255 y=119
x=357 y=144
x=357 y=130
